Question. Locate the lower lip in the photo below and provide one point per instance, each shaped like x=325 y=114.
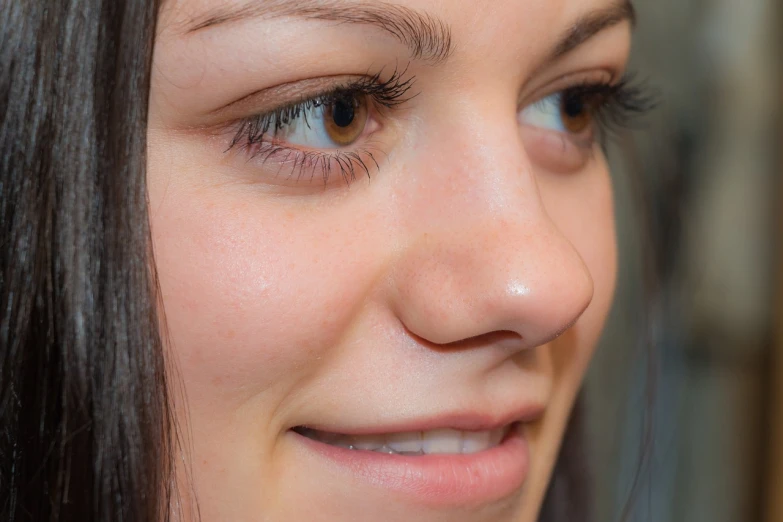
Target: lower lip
x=437 y=480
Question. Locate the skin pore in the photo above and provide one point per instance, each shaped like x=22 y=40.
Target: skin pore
x=443 y=260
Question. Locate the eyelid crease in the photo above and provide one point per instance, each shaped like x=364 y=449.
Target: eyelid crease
x=568 y=81
x=391 y=91
x=291 y=93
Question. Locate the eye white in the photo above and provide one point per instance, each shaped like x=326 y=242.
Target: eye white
x=544 y=114
x=307 y=130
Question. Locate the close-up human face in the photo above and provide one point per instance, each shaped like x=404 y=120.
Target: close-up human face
x=385 y=243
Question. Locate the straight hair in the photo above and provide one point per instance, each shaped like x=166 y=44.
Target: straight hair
x=84 y=414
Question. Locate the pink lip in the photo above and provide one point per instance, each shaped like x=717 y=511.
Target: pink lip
x=435 y=480
x=454 y=421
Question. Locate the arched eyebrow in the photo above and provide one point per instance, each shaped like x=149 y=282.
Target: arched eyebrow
x=593 y=23
x=428 y=37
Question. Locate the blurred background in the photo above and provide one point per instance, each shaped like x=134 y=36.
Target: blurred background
x=685 y=397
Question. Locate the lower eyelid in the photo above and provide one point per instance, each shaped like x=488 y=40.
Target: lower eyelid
x=293 y=168
x=557 y=151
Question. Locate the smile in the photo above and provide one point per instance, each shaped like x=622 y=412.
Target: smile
x=415 y=443
x=461 y=461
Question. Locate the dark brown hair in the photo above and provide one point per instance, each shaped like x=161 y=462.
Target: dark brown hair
x=84 y=417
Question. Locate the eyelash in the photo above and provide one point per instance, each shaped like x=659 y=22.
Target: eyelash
x=253 y=132
x=614 y=107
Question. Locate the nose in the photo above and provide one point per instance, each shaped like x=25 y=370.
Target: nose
x=481 y=254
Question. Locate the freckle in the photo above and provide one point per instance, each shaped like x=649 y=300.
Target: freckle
x=231 y=334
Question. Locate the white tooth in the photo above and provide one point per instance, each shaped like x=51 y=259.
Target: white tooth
x=475 y=441
x=441 y=441
x=368 y=442
x=404 y=442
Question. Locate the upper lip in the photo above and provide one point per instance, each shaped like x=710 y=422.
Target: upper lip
x=461 y=421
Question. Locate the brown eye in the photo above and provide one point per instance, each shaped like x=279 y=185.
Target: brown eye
x=577 y=112
x=345 y=118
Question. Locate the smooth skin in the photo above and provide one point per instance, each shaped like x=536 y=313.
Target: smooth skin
x=472 y=272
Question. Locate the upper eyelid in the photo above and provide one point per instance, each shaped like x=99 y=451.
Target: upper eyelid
x=565 y=82
x=285 y=95
x=294 y=93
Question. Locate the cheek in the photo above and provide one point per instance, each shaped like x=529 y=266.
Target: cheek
x=248 y=297
x=583 y=211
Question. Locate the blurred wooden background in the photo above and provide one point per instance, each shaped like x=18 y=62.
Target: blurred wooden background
x=698 y=196
x=773 y=489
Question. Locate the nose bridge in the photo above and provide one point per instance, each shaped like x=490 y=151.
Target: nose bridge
x=481 y=253
x=476 y=166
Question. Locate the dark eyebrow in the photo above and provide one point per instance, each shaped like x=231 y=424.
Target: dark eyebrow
x=593 y=23
x=428 y=37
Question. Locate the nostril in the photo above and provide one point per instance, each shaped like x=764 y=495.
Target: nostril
x=498 y=338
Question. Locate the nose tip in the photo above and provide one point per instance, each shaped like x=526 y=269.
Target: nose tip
x=529 y=280
x=545 y=305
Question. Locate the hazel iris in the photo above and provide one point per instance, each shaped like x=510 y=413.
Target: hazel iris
x=345 y=118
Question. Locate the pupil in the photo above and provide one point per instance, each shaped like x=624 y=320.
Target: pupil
x=343 y=112
x=573 y=106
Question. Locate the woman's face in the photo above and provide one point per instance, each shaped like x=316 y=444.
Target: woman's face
x=385 y=243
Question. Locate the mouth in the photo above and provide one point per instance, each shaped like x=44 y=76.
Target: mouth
x=447 y=463
x=414 y=443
